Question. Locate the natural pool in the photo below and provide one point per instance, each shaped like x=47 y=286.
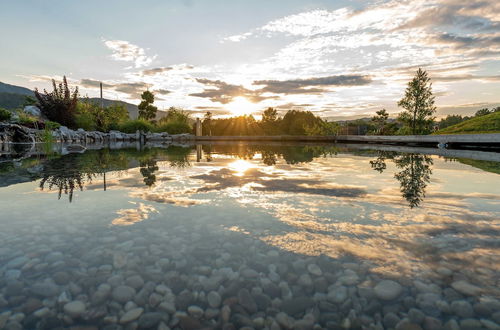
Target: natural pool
x=245 y=236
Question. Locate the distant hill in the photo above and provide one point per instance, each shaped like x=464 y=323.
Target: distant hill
x=11 y=101
x=477 y=125
x=12 y=89
x=12 y=97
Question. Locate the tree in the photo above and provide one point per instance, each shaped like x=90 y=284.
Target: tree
x=418 y=103
x=380 y=121
x=269 y=121
x=207 y=123
x=146 y=108
x=59 y=105
x=483 y=112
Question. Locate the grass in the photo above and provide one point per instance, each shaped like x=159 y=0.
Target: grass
x=489 y=166
x=477 y=125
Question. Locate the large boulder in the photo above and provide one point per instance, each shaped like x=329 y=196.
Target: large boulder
x=34 y=111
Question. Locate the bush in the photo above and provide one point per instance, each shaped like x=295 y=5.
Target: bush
x=85 y=120
x=25 y=119
x=175 y=128
x=132 y=126
x=60 y=104
x=5 y=114
x=51 y=125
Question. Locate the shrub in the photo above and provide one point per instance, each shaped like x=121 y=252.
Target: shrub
x=25 y=119
x=5 y=114
x=51 y=125
x=175 y=128
x=60 y=104
x=85 y=120
x=131 y=126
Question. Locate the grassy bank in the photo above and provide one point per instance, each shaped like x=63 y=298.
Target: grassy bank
x=477 y=125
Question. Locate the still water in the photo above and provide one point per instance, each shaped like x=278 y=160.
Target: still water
x=249 y=237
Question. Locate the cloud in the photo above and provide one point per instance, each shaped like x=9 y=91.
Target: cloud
x=303 y=86
x=155 y=71
x=224 y=93
x=132 y=89
x=127 y=52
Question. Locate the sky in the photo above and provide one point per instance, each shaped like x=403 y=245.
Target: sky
x=339 y=59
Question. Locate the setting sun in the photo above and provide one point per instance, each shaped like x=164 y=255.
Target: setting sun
x=241 y=106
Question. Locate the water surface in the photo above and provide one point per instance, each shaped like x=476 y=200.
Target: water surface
x=228 y=236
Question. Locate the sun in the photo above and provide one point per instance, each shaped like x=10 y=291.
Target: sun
x=241 y=106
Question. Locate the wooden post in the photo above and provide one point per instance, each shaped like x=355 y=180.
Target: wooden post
x=102 y=101
x=198 y=127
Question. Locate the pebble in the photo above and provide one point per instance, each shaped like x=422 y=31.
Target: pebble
x=131 y=315
x=314 y=269
x=214 y=299
x=149 y=320
x=195 y=311
x=123 y=293
x=466 y=288
x=388 y=290
x=74 y=308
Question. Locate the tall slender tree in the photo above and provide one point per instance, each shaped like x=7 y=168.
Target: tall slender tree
x=146 y=108
x=418 y=103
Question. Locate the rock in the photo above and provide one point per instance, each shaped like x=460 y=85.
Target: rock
x=195 y=311
x=296 y=306
x=314 y=269
x=149 y=320
x=338 y=294
x=489 y=324
x=123 y=293
x=214 y=299
x=17 y=262
x=249 y=273
x=135 y=282
x=246 y=300
x=416 y=316
x=462 y=308
x=432 y=323
x=45 y=289
x=391 y=320
x=12 y=274
x=387 y=290
x=61 y=278
x=42 y=312
x=33 y=111
x=131 y=315
x=74 y=308
x=466 y=288
x=284 y=320
x=470 y=324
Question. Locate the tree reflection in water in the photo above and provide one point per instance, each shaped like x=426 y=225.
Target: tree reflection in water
x=147 y=170
x=414 y=176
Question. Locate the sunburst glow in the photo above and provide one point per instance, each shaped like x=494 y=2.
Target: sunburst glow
x=240 y=166
x=241 y=106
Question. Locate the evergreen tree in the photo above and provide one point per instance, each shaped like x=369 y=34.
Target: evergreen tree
x=418 y=103
x=146 y=108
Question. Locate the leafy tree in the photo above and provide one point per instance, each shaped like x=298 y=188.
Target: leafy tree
x=60 y=104
x=295 y=122
x=451 y=120
x=418 y=103
x=270 y=121
x=5 y=114
x=146 y=108
x=207 y=123
x=175 y=122
x=91 y=116
x=483 y=112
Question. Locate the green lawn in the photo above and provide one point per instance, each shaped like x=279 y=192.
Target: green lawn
x=478 y=125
